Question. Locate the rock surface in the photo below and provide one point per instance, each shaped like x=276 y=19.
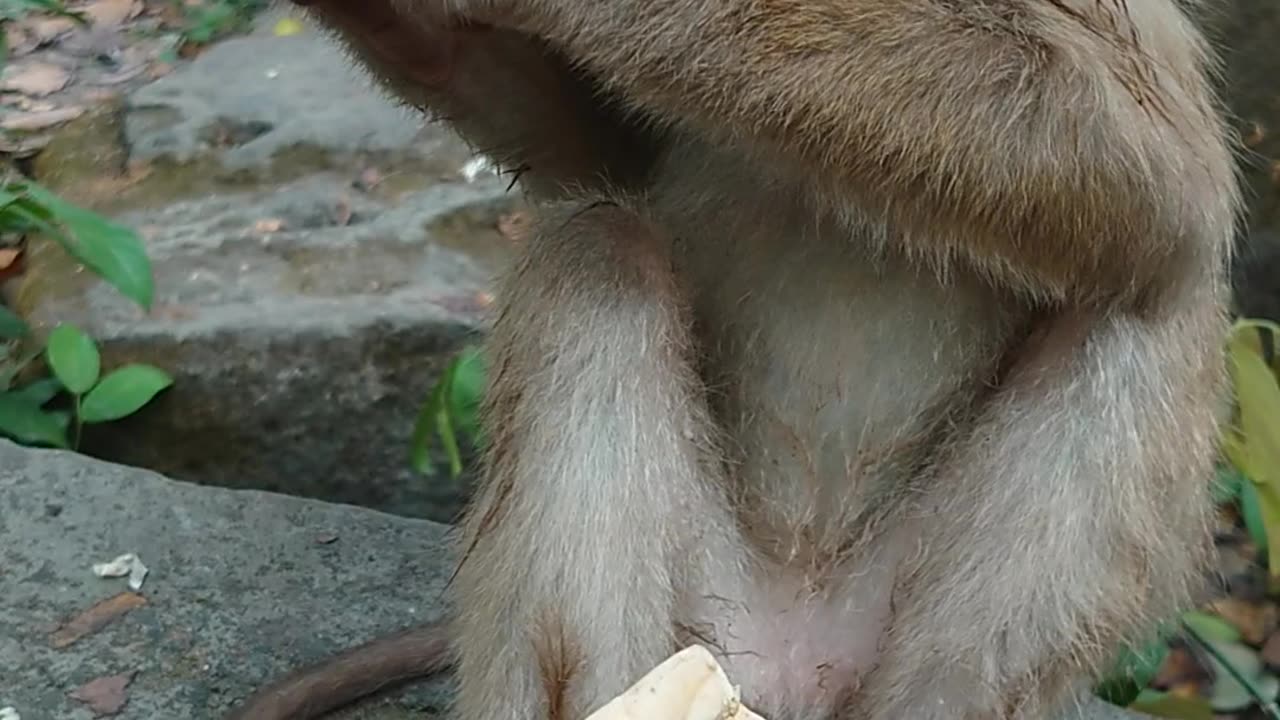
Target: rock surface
x=243 y=585
x=319 y=254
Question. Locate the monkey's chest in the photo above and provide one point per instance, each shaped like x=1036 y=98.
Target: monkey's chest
x=831 y=371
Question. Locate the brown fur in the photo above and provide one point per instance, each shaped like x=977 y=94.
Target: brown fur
x=877 y=340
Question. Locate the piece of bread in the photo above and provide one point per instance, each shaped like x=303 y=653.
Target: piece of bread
x=689 y=685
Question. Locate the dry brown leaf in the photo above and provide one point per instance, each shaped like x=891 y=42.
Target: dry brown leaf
x=515 y=226
x=105 y=695
x=369 y=179
x=342 y=212
x=95 y=618
x=112 y=12
x=1178 y=668
x=35 y=78
x=1255 y=621
x=173 y=312
x=1271 y=651
x=19 y=40
x=8 y=256
x=14 y=266
x=41 y=119
x=269 y=225
x=47 y=29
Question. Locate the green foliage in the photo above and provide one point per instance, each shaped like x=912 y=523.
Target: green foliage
x=114 y=253
x=450 y=411
x=75 y=362
x=1133 y=670
x=207 y=21
x=122 y=393
x=74 y=359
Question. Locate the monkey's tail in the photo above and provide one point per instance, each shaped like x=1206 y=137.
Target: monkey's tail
x=354 y=674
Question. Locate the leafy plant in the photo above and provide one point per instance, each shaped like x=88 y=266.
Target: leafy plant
x=204 y=22
x=116 y=254
x=450 y=411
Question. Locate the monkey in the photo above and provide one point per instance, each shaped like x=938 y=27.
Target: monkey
x=873 y=344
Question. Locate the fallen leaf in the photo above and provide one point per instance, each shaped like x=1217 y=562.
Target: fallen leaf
x=1178 y=669
x=112 y=12
x=342 y=212
x=1271 y=651
x=515 y=226
x=1255 y=621
x=95 y=618
x=19 y=40
x=8 y=256
x=287 y=26
x=326 y=538
x=35 y=78
x=369 y=179
x=40 y=120
x=270 y=225
x=164 y=311
x=10 y=263
x=105 y=695
x=47 y=29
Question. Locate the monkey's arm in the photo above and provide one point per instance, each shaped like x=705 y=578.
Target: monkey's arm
x=1068 y=146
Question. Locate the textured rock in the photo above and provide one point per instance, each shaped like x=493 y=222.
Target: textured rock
x=242 y=587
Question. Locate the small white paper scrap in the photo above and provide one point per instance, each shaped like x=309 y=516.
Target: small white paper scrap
x=127 y=564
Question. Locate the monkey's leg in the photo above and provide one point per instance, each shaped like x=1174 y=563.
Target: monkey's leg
x=1071 y=518
x=599 y=468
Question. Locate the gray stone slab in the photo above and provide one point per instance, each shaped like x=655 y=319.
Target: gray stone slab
x=240 y=589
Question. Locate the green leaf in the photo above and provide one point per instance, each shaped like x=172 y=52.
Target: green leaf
x=12 y=327
x=1227 y=484
x=74 y=358
x=25 y=422
x=1174 y=707
x=40 y=392
x=113 y=251
x=1229 y=693
x=1255 y=448
x=122 y=393
x=1133 y=670
x=1251 y=512
x=1210 y=627
x=467 y=392
x=434 y=417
